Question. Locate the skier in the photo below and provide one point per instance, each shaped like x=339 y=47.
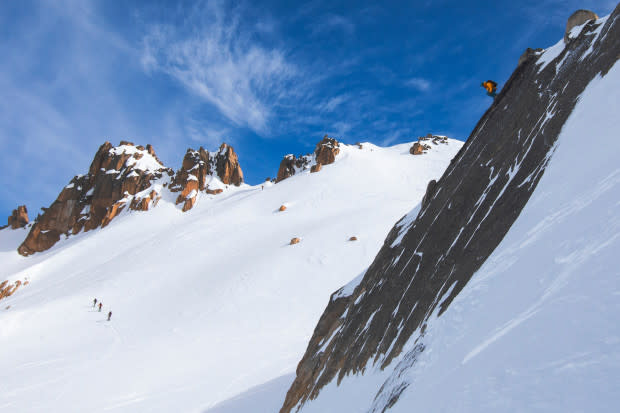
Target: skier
x=94 y=302
x=109 y=315
x=491 y=88
x=100 y=307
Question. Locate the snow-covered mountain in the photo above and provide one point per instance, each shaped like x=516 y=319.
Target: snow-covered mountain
x=499 y=293
x=206 y=303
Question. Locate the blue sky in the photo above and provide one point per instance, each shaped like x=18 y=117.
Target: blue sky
x=268 y=77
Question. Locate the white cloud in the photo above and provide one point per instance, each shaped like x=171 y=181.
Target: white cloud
x=419 y=83
x=213 y=57
x=331 y=104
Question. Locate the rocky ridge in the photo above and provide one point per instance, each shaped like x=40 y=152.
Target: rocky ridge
x=127 y=177
x=431 y=253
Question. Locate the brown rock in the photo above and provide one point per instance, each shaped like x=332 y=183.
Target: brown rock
x=227 y=166
x=91 y=201
x=143 y=204
x=19 y=217
x=295 y=241
x=416 y=149
x=577 y=19
x=315 y=168
x=198 y=165
x=7 y=289
x=113 y=211
x=214 y=191
x=353 y=239
x=282 y=208
x=290 y=165
x=326 y=150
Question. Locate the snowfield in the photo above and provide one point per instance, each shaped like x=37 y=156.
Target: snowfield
x=206 y=304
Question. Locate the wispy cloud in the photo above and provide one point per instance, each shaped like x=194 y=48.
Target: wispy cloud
x=332 y=103
x=418 y=83
x=214 y=56
x=333 y=22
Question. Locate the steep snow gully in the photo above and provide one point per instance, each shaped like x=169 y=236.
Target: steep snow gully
x=381 y=324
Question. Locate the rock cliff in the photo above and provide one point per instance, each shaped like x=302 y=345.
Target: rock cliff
x=431 y=253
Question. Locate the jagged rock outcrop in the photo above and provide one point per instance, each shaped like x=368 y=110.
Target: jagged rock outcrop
x=422 y=145
x=19 y=218
x=326 y=150
x=428 y=257
x=291 y=165
x=118 y=177
x=227 y=166
x=324 y=153
x=198 y=166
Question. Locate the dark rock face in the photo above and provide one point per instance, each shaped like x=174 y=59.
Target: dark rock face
x=425 y=262
x=116 y=176
x=19 y=217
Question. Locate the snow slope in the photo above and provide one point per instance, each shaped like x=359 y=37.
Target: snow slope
x=536 y=328
x=206 y=304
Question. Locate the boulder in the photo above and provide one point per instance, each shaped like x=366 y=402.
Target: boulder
x=214 y=191
x=315 y=168
x=416 y=149
x=577 y=19
x=282 y=208
x=353 y=239
x=295 y=241
x=19 y=217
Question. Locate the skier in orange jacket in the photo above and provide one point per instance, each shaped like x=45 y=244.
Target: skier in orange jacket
x=491 y=88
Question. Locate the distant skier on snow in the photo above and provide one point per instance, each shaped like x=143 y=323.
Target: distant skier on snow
x=94 y=302
x=491 y=88
x=109 y=315
x=100 y=307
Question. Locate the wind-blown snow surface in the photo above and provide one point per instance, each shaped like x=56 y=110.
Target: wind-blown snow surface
x=206 y=304
x=536 y=328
